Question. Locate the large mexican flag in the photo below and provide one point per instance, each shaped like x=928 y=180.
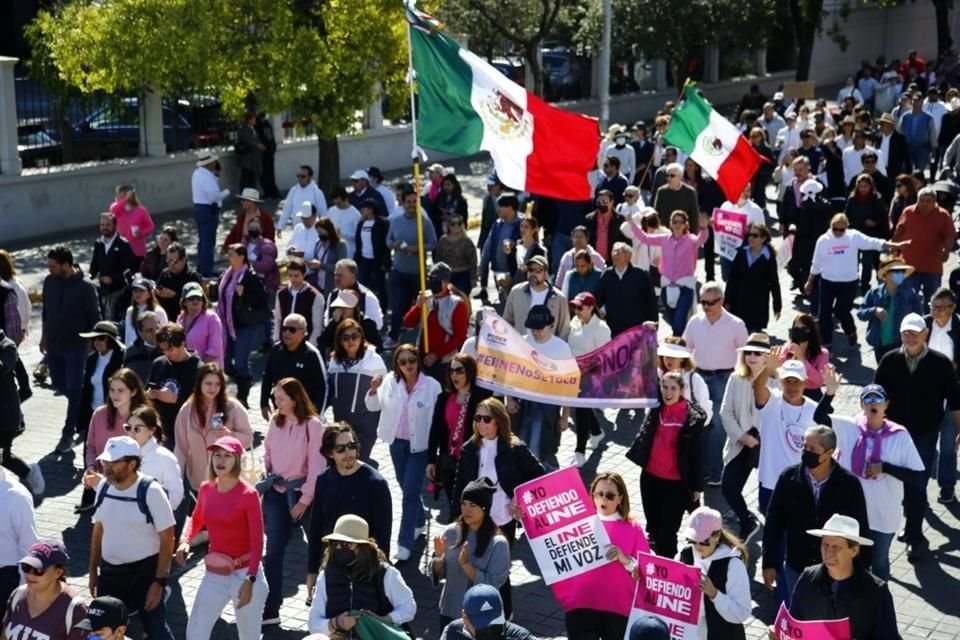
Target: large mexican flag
x=466 y=105
x=714 y=143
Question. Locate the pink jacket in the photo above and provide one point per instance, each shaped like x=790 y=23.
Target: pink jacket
x=611 y=587
x=204 y=336
x=293 y=452
x=99 y=432
x=127 y=218
x=679 y=254
x=193 y=439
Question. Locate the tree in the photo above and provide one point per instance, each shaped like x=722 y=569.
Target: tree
x=320 y=58
x=807 y=16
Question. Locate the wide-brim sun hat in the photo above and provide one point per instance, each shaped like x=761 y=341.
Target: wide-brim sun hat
x=349 y=528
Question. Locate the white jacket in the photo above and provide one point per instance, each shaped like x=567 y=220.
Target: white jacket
x=371 y=364
x=734 y=604
x=584 y=338
x=160 y=463
x=390 y=399
x=838 y=259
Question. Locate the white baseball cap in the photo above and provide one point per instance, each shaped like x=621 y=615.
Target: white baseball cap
x=119 y=448
x=793 y=369
x=913 y=322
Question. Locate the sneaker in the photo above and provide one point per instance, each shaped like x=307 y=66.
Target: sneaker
x=919 y=551
x=595 y=441
x=40 y=374
x=389 y=343
x=749 y=530
x=402 y=555
x=65 y=445
x=270 y=620
x=946 y=496
x=36 y=481
x=578 y=460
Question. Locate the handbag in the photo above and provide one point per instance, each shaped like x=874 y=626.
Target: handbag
x=753 y=454
x=223 y=564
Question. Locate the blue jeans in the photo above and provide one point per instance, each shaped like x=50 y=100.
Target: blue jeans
x=928 y=282
x=410 y=469
x=372 y=276
x=404 y=288
x=677 y=317
x=919 y=157
x=726 y=265
x=915 y=493
x=947 y=460
x=880 y=554
x=791 y=576
x=836 y=298
x=734 y=478
x=66 y=374
x=277 y=525
x=240 y=348
x=562 y=243
x=207 y=217
x=715 y=439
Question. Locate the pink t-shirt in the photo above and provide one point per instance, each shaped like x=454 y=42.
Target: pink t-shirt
x=127 y=219
x=293 y=452
x=663 y=461
x=233 y=519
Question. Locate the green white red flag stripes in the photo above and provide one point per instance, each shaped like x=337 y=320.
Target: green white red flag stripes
x=465 y=106
x=714 y=143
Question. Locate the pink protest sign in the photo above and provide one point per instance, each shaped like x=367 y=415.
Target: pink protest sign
x=788 y=628
x=668 y=589
x=729 y=230
x=565 y=534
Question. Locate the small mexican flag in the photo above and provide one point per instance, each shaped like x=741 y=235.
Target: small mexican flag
x=714 y=143
x=466 y=105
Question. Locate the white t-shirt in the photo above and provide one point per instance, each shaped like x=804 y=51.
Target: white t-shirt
x=126 y=535
x=500 y=509
x=940 y=340
x=538 y=297
x=366 y=233
x=346 y=221
x=883 y=494
x=556 y=348
x=781 y=436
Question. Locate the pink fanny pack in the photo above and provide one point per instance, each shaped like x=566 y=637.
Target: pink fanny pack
x=223 y=565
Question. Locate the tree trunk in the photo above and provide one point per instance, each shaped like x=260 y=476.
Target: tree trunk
x=531 y=55
x=944 y=40
x=328 y=164
x=805 y=26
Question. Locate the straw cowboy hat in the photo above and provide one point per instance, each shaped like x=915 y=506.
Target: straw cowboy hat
x=894 y=263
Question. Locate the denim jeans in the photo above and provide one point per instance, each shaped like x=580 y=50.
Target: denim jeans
x=207 y=217
x=410 y=469
x=947 y=459
x=927 y=282
x=915 y=493
x=561 y=244
x=677 y=317
x=714 y=439
x=836 y=298
x=734 y=478
x=277 y=524
x=791 y=576
x=919 y=157
x=726 y=266
x=66 y=374
x=213 y=594
x=531 y=428
x=240 y=348
x=403 y=293
x=880 y=565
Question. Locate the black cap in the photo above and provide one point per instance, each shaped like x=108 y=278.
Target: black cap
x=539 y=317
x=649 y=628
x=479 y=492
x=105 y=611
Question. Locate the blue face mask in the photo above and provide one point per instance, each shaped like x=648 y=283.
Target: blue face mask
x=897 y=277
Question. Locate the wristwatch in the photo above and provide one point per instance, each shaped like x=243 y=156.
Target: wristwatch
x=252 y=579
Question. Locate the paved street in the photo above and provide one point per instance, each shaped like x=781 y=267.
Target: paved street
x=925 y=594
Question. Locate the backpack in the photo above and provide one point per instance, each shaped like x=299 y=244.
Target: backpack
x=68 y=617
x=140 y=499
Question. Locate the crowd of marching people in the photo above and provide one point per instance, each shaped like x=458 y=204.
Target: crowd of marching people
x=321 y=304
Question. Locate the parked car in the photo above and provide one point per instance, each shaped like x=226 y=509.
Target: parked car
x=510 y=67
x=36 y=147
x=561 y=73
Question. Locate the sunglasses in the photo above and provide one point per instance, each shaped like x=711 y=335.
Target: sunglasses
x=941 y=307
x=457 y=370
x=341 y=448
x=838 y=229
x=754 y=235
x=350 y=337
x=289 y=329
x=135 y=429
x=873 y=399
x=405 y=361
x=709 y=303
x=483 y=419
x=31 y=571
x=704 y=543
x=609 y=495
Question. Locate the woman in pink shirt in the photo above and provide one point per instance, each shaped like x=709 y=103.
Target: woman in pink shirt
x=229 y=508
x=293 y=461
x=203 y=327
x=598 y=605
x=207 y=415
x=678 y=264
x=126 y=394
x=133 y=221
x=805 y=346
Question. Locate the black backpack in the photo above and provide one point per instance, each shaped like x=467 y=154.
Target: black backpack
x=140 y=499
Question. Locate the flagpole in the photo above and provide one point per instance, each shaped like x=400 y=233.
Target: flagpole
x=646 y=169
x=415 y=153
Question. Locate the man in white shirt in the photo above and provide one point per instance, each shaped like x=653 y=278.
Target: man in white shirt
x=132 y=542
x=625 y=153
x=771 y=122
x=935 y=107
x=345 y=278
x=306 y=190
x=303 y=242
x=713 y=337
x=207 y=200
x=788 y=137
x=944 y=326
x=18 y=530
x=345 y=218
x=852 y=156
x=388 y=195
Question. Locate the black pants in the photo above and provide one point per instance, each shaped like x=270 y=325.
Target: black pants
x=23 y=380
x=709 y=254
x=509 y=531
x=9 y=581
x=268 y=179
x=664 y=502
x=587 y=426
x=248 y=179
x=9 y=460
x=589 y=624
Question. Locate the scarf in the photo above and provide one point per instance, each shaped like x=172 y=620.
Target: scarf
x=858 y=458
x=228 y=287
x=455 y=444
